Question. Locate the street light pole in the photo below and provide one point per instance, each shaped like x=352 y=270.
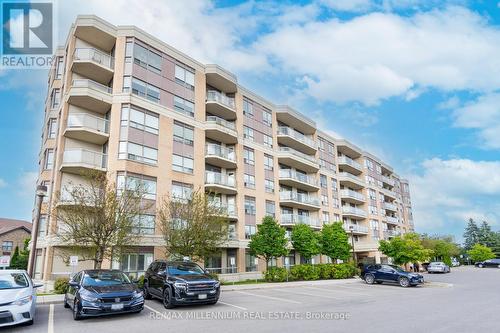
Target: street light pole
x=351 y=228
x=41 y=191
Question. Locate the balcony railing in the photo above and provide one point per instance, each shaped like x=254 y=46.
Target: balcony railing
x=94 y=55
x=353 y=210
x=85 y=157
x=79 y=195
x=299 y=154
x=228 y=209
x=287 y=173
x=85 y=120
x=390 y=206
x=352 y=194
x=85 y=83
x=350 y=176
x=392 y=233
x=392 y=219
x=349 y=161
x=388 y=180
x=221 y=122
x=215 y=178
x=355 y=228
x=220 y=151
x=299 y=219
x=284 y=130
x=299 y=197
x=215 y=96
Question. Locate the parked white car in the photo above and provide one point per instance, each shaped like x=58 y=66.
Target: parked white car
x=438 y=267
x=17 y=298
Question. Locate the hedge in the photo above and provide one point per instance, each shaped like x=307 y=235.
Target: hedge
x=308 y=272
x=61 y=285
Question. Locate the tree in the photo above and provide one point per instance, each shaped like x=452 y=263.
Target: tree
x=269 y=241
x=193 y=227
x=443 y=248
x=405 y=249
x=24 y=254
x=480 y=252
x=97 y=220
x=471 y=234
x=305 y=241
x=14 y=258
x=485 y=235
x=335 y=242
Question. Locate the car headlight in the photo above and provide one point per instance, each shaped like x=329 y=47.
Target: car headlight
x=24 y=300
x=217 y=284
x=137 y=294
x=89 y=298
x=180 y=285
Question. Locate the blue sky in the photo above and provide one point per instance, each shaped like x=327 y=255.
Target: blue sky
x=416 y=82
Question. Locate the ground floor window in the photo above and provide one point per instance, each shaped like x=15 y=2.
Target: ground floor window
x=135 y=264
x=250 y=262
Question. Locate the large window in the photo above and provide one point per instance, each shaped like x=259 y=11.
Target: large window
x=135 y=264
x=267 y=118
x=269 y=185
x=182 y=164
x=249 y=205
x=270 y=208
x=248 y=156
x=184 y=76
x=249 y=180
x=184 y=106
x=52 y=128
x=268 y=140
x=141 y=88
x=144 y=224
x=145 y=185
x=248 y=133
x=268 y=162
x=136 y=152
x=59 y=67
x=183 y=133
x=49 y=159
x=250 y=231
x=250 y=262
x=7 y=246
x=147 y=59
x=142 y=120
x=42 y=226
x=247 y=108
x=181 y=191
x=55 y=98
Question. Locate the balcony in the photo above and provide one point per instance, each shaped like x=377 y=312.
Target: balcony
x=87 y=127
x=348 y=149
x=391 y=220
x=90 y=95
x=220 y=156
x=350 y=180
x=77 y=195
x=79 y=160
x=95 y=31
x=293 y=219
x=298 y=180
x=390 y=206
x=349 y=165
x=289 y=137
x=356 y=229
x=221 y=79
x=221 y=130
x=220 y=105
x=388 y=181
x=299 y=200
x=93 y=64
x=388 y=193
x=391 y=233
x=295 y=119
x=352 y=196
x=228 y=210
x=297 y=160
x=220 y=183
x=353 y=212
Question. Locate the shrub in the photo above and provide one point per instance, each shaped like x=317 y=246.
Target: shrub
x=140 y=282
x=344 y=271
x=61 y=285
x=325 y=271
x=305 y=272
x=276 y=274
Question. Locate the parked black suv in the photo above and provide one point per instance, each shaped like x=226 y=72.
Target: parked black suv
x=180 y=283
x=491 y=263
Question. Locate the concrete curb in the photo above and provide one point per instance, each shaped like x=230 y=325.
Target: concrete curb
x=49 y=299
x=438 y=284
x=290 y=284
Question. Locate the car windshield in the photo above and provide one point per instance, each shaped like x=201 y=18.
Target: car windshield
x=184 y=269
x=436 y=264
x=397 y=268
x=104 y=278
x=13 y=281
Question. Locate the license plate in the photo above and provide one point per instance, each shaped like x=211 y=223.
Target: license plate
x=116 y=306
x=202 y=296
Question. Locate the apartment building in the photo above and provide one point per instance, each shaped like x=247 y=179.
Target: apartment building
x=122 y=102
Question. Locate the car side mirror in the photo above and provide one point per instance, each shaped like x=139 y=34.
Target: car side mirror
x=74 y=284
x=38 y=285
x=162 y=273
x=207 y=272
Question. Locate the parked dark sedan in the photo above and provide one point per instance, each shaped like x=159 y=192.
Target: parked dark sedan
x=393 y=274
x=491 y=263
x=102 y=292
x=180 y=283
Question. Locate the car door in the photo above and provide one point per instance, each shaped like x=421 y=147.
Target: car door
x=387 y=273
x=71 y=293
x=152 y=279
x=158 y=278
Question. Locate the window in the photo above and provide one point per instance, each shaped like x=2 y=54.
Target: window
x=135 y=264
x=369 y=164
x=334 y=185
x=269 y=185
x=51 y=128
x=55 y=98
x=321 y=145
x=268 y=162
x=370 y=180
x=323 y=181
x=147 y=59
x=136 y=183
x=7 y=246
x=145 y=121
x=135 y=152
x=249 y=231
x=326 y=217
x=49 y=159
x=184 y=106
x=379 y=169
x=183 y=133
x=336 y=217
x=249 y=180
x=267 y=118
x=324 y=200
x=374 y=224
x=270 y=208
x=182 y=164
x=247 y=108
x=143 y=224
x=268 y=140
x=47 y=184
x=184 y=77
x=248 y=156
x=248 y=133
x=181 y=191
x=42 y=226
x=250 y=262
x=331 y=149
x=373 y=210
x=145 y=90
x=59 y=67
x=372 y=194
x=249 y=205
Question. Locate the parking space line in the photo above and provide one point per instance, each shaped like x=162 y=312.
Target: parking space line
x=338 y=290
x=269 y=297
x=234 y=306
x=311 y=295
x=150 y=308
x=50 y=325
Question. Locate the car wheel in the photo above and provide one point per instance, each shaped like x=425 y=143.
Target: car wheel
x=65 y=303
x=145 y=291
x=404 y=282
x=498 y=266
x=369 y=278
x=76 y=311
x=167 y=299
x=480 y=265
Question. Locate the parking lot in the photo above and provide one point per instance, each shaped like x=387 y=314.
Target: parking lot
x=464 y=301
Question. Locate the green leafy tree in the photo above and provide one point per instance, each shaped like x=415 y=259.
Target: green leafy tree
x=471 y=234
x=14 y=258
x=269 y=241
x=405 y=249
x=24 y=254
x=305 y=241
x=443 y=247
x=334 y=242
x=480 y=252
x=485 y=235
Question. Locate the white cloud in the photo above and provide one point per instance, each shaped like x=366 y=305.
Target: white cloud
x=483 y=114
x=27 y=184
x=349 y=5
x=3 y=183
x=447 y=192
x=449 y=104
